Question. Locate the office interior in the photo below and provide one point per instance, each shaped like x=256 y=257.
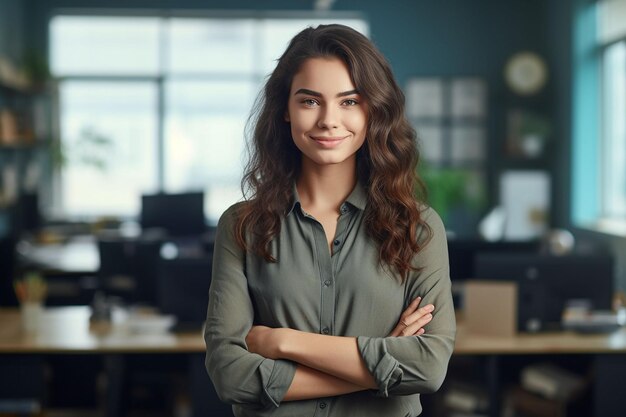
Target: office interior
x=122 y=130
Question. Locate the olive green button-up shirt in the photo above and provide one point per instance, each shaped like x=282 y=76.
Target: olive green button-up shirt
x=346 y=293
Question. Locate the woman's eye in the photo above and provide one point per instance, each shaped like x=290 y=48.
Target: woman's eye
x=309 y=102
x=350 y=102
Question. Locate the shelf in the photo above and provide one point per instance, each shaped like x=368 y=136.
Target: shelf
x=24 y=146
x=28 y=90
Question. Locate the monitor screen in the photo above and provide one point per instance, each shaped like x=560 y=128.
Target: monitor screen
x=462 y=254
x=178 y=214
x=547 y=282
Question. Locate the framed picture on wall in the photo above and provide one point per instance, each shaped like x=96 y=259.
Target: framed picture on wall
x=468 y=97
x=425 y=97
x=449 y=115
x=467 y=143
x=431 y=142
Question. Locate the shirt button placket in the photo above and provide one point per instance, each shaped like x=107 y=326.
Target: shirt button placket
x=327 y=294
x=322 y=408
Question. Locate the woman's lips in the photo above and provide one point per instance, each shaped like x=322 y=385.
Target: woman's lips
x=328 y=141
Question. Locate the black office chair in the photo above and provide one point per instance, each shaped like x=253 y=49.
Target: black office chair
x=183 y=290
x=128 y=268
x=116 y=273
x=7 y=272
x=145 y=267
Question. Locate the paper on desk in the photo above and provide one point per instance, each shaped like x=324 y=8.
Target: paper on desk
x=525 y=197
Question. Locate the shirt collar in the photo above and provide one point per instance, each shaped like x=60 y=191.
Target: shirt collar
x=357 y=198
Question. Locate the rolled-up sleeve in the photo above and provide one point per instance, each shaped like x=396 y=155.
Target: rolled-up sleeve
x=418 y=364
x=239 y=377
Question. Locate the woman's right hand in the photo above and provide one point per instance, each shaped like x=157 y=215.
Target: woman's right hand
x=413 y=319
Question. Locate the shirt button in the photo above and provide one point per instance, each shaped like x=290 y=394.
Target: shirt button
x=343 y=209
x=327 y=283
x=336 y=242
x=325 y=330
x=322 y=405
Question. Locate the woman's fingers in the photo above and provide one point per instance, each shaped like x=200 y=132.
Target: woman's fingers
x=413 y=320
x=416 y=328
x=412 y=308
x=427 y=309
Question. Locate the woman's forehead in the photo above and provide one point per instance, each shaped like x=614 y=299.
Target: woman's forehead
x=324 y=75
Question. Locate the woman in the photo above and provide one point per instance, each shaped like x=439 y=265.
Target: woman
x=330 y=293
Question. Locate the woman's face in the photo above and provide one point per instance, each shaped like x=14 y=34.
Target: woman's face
x=328 y=117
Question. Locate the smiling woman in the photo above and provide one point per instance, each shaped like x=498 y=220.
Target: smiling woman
x=331 y=281
x=326 y=113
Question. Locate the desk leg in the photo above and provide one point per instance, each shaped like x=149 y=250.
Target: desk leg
x=114 y=366
x=493 y=385
x=608 y=387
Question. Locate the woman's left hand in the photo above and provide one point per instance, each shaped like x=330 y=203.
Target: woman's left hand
x=265 y=341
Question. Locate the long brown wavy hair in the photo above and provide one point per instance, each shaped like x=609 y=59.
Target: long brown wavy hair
x=386 y=163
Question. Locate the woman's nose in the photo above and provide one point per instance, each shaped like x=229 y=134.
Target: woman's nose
x=328 y=118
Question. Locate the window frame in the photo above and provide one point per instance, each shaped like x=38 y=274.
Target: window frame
x=164 y=75
x=588 y=122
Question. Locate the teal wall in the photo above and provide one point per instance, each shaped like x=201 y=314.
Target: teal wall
x=11 y=30
x=585 y=112
x=585 y=125
x=418 y=37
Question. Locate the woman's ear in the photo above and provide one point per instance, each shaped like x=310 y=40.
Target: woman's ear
x=287 y=119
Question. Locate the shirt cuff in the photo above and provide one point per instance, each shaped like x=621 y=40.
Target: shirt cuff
x=384 y=368
x=276 y=377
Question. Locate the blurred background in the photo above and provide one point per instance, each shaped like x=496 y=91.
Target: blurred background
x=122 y=140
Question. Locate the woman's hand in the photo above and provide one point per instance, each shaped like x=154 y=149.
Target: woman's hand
x=413 y=319
x=266 y=341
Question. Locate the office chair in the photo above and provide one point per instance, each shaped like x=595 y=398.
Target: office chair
x=7 y=272
x=183 y=290
x=116 y=273
x=145 y=269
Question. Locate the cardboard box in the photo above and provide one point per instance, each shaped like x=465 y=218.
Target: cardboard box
x=491 y=307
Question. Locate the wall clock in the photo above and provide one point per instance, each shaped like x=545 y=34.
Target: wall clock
x=526 y=73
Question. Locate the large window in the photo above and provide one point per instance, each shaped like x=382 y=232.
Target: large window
x=159 y=104
x=612 y=155
x=614 y=133
x=599 y=116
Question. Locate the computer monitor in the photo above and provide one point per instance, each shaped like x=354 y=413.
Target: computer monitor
x=181 y=215
x=183 y=289
x=547 y=282
x=462 y=253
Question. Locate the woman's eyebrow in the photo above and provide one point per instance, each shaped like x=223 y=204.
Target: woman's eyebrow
x=316 y=94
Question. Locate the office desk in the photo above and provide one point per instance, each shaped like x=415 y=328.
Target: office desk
x=540 y=343
x=607 y=351
x=66 y=330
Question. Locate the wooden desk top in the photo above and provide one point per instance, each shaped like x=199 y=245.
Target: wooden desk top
x=67 y=330
x=540 y=343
